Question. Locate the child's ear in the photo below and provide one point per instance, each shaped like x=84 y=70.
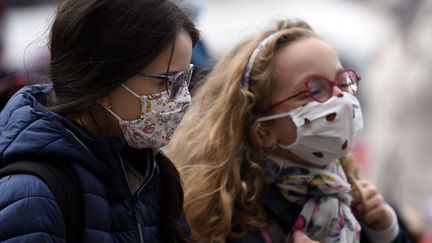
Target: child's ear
x=262 y=135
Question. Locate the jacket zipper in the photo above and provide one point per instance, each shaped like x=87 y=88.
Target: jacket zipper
x=147 y=177
x=134 y=197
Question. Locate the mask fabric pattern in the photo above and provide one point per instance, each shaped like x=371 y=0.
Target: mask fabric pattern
x=159 y=118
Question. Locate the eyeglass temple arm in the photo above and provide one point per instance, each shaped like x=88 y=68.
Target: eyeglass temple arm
x=286 y=99
x=156 y=76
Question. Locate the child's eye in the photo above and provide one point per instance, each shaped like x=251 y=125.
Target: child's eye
x=345 y=83
x=315 y=92
x=159 y=85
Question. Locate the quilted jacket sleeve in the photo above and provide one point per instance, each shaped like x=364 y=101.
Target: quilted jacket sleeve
x=28 y=211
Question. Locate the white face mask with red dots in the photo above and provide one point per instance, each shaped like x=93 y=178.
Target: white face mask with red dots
x=325 y=131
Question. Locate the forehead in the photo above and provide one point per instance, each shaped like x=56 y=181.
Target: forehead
x=307 y=55
x=302 y=58
x=180 y=56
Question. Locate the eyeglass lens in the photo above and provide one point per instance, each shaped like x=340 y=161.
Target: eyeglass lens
x=178 y=80
x=319 y=89
x=347 y=81
x=322 y=89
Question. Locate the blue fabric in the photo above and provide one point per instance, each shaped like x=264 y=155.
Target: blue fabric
x=200 y=56
x=28 y=210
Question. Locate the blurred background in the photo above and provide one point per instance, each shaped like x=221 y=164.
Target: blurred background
x=387 y=41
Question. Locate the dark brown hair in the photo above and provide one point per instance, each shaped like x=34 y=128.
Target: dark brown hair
x=96 y=45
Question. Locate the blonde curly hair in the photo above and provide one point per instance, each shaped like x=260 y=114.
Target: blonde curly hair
x=214 y=149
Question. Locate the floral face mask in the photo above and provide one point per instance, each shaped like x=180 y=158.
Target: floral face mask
x=159 y=118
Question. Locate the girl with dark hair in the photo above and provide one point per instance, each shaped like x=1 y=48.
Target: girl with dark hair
x=120 y=71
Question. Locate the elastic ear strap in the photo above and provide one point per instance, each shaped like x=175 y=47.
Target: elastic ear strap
x=272 y=117
x=112 y=113
x=251 y=61
x=130 y=91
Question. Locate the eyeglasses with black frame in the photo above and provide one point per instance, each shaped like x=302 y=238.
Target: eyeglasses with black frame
x=321 y=88
x=173 y=82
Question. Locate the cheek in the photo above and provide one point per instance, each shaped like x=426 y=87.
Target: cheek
x=285 y=131
x=127 y=106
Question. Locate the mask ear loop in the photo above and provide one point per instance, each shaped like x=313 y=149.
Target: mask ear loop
x=130 y=91
x=273 y=117
x=109 y=109
x=148 y=106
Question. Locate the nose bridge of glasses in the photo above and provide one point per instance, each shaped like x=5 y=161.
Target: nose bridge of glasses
x=336 y=90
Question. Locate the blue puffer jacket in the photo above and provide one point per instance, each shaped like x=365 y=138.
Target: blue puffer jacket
x=112 y=213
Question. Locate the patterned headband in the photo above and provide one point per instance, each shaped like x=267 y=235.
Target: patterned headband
x=249 y=66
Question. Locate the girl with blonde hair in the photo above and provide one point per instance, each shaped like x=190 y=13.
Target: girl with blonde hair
x=258 y=150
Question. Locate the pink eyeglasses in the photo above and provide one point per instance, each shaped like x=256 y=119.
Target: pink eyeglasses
x=321 y=88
